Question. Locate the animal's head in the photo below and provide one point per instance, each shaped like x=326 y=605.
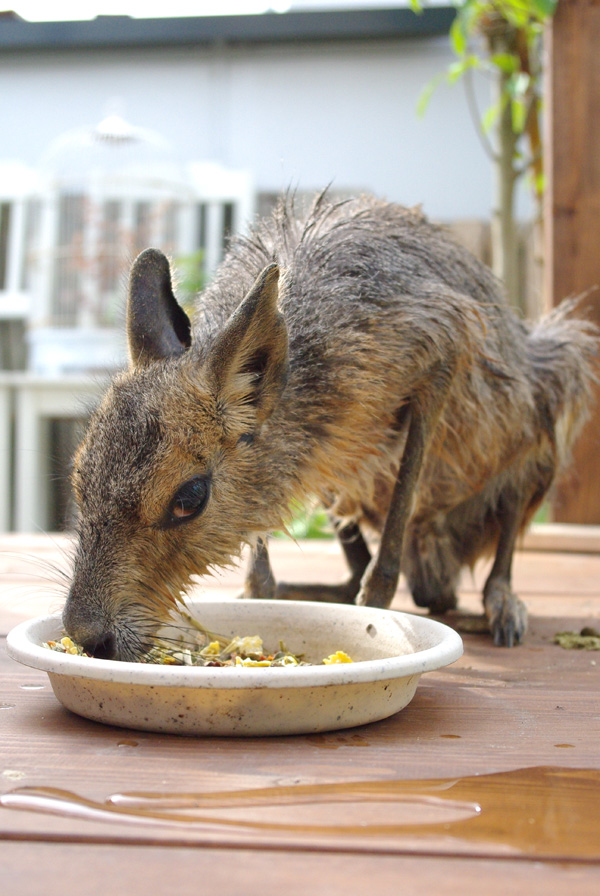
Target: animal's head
x=177 y=470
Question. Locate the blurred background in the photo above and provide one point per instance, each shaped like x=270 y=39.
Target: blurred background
x=123 y=127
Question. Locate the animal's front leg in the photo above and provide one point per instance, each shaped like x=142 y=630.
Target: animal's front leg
x=260 y=581
x=380 y=580
x=506 y=614
x=357 y=556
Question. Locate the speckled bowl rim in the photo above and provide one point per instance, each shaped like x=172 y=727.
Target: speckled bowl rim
x=24 y=644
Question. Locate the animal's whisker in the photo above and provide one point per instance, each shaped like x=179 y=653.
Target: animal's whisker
x=177 y=642
x=197 y=625
x=51 y=568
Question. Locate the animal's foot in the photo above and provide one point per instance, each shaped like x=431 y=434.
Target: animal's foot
x=259 y=587
x=377 y=587
x=251 y=593
x=437 y=602
x=432 y=570
x=336 y=594
x=506 y=614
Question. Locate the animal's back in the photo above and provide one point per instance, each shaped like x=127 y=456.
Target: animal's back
x=374 y=297
x=343 y=261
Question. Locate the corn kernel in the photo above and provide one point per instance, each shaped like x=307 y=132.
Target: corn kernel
x=338 y=657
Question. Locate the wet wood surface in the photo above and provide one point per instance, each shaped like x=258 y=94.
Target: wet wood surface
x=491 y=773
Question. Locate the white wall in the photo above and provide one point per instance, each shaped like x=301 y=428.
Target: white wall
x=300 y=115
x=348 y=115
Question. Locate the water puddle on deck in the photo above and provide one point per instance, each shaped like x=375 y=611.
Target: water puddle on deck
x=545 y=811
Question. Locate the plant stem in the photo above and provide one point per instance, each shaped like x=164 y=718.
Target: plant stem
x=505 y=247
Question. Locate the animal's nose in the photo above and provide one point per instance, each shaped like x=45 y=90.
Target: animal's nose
x=103 y=646
x=89 y=626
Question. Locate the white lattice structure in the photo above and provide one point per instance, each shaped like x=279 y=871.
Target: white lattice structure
x=106 y=193
x=68 y=234
x=18 y=184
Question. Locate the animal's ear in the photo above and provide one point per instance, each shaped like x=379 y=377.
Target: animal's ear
x=157 y=327
x=248 y=362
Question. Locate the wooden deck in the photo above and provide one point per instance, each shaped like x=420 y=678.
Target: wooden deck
x=489 y=779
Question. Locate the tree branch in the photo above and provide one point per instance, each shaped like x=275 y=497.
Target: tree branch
x=476 y=117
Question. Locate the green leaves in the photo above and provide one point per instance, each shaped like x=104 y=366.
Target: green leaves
x=191 y=277
x=427 y=92
x=545 y=8
x=461 y=66
x=459 y=36
x=501 y=38
x=307 y=522
x=505 y=62
x=520 y=96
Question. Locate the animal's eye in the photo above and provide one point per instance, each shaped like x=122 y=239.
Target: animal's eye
x=188 y=502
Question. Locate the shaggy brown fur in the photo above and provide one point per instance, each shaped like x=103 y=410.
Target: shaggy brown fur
x=373 y=364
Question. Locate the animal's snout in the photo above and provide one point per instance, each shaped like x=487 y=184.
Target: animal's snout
x=103 y=646
x=91 y=630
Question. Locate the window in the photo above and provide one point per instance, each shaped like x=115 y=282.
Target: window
x=4 y=230
x=67 y=288
x=33 y=213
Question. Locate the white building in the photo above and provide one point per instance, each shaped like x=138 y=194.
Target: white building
x=302 y=99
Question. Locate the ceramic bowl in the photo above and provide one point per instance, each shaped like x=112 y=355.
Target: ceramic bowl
x=391 y=650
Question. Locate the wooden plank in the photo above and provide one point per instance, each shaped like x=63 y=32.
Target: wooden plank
x=494 y=710
x=561 y=537
x=28 y=588
x=357 y=799
x=34 y=569
x=31 y=869
x=572 y=213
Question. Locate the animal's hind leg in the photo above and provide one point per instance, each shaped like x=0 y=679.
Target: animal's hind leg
x=432 y=568
x=260 y=581
x=380 y=580
x=357 y=556
x=506 y=614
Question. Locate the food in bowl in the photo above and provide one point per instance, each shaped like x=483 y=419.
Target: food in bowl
x=246 y=651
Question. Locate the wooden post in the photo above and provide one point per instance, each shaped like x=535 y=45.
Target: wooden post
x=572 y=210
